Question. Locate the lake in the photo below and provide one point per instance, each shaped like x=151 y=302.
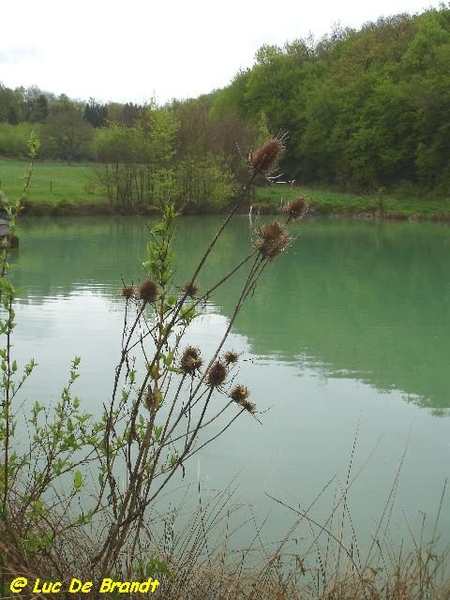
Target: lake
x=345 y=341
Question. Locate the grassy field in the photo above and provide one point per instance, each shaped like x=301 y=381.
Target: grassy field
x=58 y=188
x=337 y=203
x=54 y=186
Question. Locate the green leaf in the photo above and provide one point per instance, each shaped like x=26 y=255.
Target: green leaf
x=78 y=480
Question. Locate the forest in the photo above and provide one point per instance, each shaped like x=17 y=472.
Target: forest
x=364 y=110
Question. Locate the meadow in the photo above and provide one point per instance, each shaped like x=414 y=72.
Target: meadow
x=379 y=204
x=61 y=189
x=57 y=188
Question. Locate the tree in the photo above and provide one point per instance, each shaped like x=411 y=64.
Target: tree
x=138 y=160
x=10 y=106
x=95 y=113
x=67 y=135
x=36 y=103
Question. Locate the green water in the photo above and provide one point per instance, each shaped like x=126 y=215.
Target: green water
x=347 y=335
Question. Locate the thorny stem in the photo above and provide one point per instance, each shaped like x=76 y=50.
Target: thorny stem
x=136 y=498
x=248 y=286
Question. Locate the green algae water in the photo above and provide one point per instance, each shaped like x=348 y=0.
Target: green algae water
x=345 y=347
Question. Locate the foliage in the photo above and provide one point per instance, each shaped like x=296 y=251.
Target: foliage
x=363 y=109
x=66 y=134
x=141 y=166
x=167 y=402
x=96 y=114
x=13 y=138
x=137 y=160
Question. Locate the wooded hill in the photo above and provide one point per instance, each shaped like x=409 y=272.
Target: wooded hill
x=364 y=110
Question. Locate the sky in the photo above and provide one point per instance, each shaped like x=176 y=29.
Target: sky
x=138 y=50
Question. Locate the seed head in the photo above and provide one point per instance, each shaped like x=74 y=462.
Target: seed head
x=231 y=357
x=239 y=393
x=128 y=291
x=249 y=406
x=191 y=361
x=217 y=374
x=265 y=158
x=273 y=239
x=296 y=209
x=148 y=291
x=190 y=288
x=272 y=231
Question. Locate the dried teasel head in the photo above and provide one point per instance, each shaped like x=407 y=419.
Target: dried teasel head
x=127 y=291
x=239 y=393
x=296 y=209
x=191 y=361
x=230 y=357
x=217 y=374
x=148 y=291
x=249 y=406
x=265 y=158
x=272 y=240
x=190 y=288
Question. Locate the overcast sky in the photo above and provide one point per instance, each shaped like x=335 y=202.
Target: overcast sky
x=134 y=50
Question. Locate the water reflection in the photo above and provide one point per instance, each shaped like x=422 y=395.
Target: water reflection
x=361 y=300
x=347 y=331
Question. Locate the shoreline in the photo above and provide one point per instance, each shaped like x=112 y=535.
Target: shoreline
x=86 y=209
x=61 y=190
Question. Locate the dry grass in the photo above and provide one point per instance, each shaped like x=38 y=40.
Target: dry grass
x=199 y=556
x=202 y=561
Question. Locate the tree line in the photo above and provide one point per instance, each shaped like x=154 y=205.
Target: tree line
x=364 y=110
x=66 y=127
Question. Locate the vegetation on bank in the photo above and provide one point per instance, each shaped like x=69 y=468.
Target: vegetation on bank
x=364 y=110
x=60 y=189
x=335 y=203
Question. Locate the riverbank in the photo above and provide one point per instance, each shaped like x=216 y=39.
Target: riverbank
x=58 y=189
x=269 y=199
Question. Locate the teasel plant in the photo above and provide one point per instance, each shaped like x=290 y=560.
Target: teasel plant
x=79 y=496
x=163 y=413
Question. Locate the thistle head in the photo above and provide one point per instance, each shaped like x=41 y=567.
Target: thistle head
x=190 y=288
x=191 y=361
x=127 y=291
x=148 y=291
x=249 y=406
x=217 y=374
x=265 y=158
x=272 y=240
x=230 y=357
x=296 y=209
x=240 y=395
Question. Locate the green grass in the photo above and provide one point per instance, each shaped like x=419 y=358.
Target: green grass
x=58 y=188
x=52 y=182
x=337 y=203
